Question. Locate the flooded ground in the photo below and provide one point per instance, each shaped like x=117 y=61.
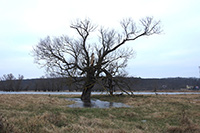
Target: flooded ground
x=95 y=103
x=97 y=93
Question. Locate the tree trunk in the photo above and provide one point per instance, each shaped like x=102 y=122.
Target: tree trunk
x=89 y=84
x=110 y=85
x=86 y=93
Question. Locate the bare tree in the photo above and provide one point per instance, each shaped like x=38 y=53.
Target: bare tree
x=10 y=83
x=18 y=83
x=77 y=57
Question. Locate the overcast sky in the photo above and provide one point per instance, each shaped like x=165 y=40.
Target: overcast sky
x=174 y=53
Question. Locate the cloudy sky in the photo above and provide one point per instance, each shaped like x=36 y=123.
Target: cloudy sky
x=174 y=53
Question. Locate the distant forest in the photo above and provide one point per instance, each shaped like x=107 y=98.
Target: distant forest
x=10 y=83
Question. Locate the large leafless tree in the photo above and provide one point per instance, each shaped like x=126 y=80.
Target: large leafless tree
x=104 y=59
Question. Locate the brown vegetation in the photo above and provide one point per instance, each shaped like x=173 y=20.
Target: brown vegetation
x=149 y=113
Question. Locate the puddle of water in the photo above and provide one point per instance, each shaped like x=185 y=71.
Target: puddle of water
x=95 y=103
x=97 y=93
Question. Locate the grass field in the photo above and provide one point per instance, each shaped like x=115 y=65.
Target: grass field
x=149 y=113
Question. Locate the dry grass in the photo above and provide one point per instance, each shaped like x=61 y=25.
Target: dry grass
x=49 y=114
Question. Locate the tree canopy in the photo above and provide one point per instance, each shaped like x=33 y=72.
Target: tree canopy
x=78 y=57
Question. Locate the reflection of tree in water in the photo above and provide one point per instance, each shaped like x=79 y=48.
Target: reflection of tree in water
x=111 y=104
x=94 y=103
x=87 y=104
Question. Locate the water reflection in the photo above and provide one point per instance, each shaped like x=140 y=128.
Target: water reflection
x=96 y=93
x=94 y=103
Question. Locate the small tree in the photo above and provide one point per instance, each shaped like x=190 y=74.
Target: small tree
x=70 y=57
x=18 y=83
x=10 y=83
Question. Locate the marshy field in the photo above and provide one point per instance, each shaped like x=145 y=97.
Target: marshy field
x=148 y=114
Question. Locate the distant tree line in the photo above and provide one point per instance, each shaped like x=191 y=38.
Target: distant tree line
x=154 y=84
x=9 y=82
